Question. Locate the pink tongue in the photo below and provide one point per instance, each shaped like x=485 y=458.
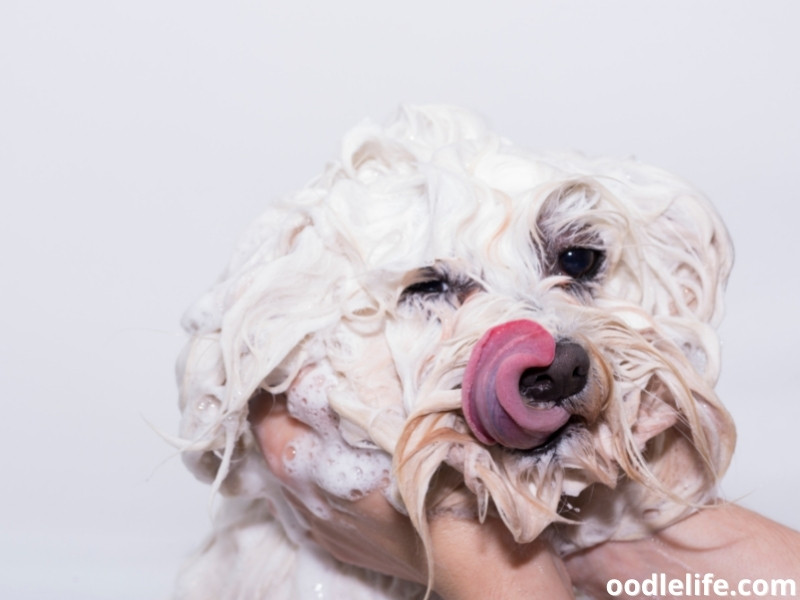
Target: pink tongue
x=494 y=409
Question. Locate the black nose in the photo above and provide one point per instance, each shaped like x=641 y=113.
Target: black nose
x=564 y=377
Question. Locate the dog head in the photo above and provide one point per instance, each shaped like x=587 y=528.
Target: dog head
x=442 y=306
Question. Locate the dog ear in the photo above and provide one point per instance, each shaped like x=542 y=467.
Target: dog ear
x=674 y=259
x=245 y=332
x=680 y=254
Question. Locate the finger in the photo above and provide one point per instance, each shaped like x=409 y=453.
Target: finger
x=275 y=429
x=389 y=546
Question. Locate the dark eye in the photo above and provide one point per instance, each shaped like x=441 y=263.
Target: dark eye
x=430 y=287
x=580 y=263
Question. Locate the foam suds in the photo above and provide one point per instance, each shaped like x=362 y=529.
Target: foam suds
x=322 y=457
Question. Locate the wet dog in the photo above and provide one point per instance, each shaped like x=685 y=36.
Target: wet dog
x=539 y=327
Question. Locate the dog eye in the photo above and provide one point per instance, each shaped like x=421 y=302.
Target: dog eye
x=580 y=263
x=430 y=287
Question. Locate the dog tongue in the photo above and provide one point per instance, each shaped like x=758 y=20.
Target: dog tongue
x=495 y=410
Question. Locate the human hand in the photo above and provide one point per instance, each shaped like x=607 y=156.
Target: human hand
x=387 y=542
x=725 y=540
x=470 y=559
x=474 y=560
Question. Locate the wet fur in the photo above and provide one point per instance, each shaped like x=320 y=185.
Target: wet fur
x=434 y=196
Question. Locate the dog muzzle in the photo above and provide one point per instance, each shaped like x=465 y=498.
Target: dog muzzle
x=515 y=384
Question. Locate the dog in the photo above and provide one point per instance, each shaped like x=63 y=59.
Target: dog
x=540 y=325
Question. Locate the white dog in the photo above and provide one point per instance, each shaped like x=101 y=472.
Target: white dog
x=439 y=298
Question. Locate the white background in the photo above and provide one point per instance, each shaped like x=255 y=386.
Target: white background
x=138 y=138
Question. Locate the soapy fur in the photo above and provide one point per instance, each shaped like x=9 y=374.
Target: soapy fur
x=312 y=306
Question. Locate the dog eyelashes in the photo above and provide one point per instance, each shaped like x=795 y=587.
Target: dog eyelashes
x=439 y=286
x=580 y=263
x=430 y=287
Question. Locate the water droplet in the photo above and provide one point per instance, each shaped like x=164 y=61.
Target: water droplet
x=319 y=591
x=289 y=453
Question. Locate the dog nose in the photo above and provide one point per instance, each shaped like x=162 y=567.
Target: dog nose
x=564 y=377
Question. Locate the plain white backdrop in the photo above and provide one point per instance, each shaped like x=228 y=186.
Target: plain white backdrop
x=138 y=138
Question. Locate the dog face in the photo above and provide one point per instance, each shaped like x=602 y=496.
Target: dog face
x=458 y=318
